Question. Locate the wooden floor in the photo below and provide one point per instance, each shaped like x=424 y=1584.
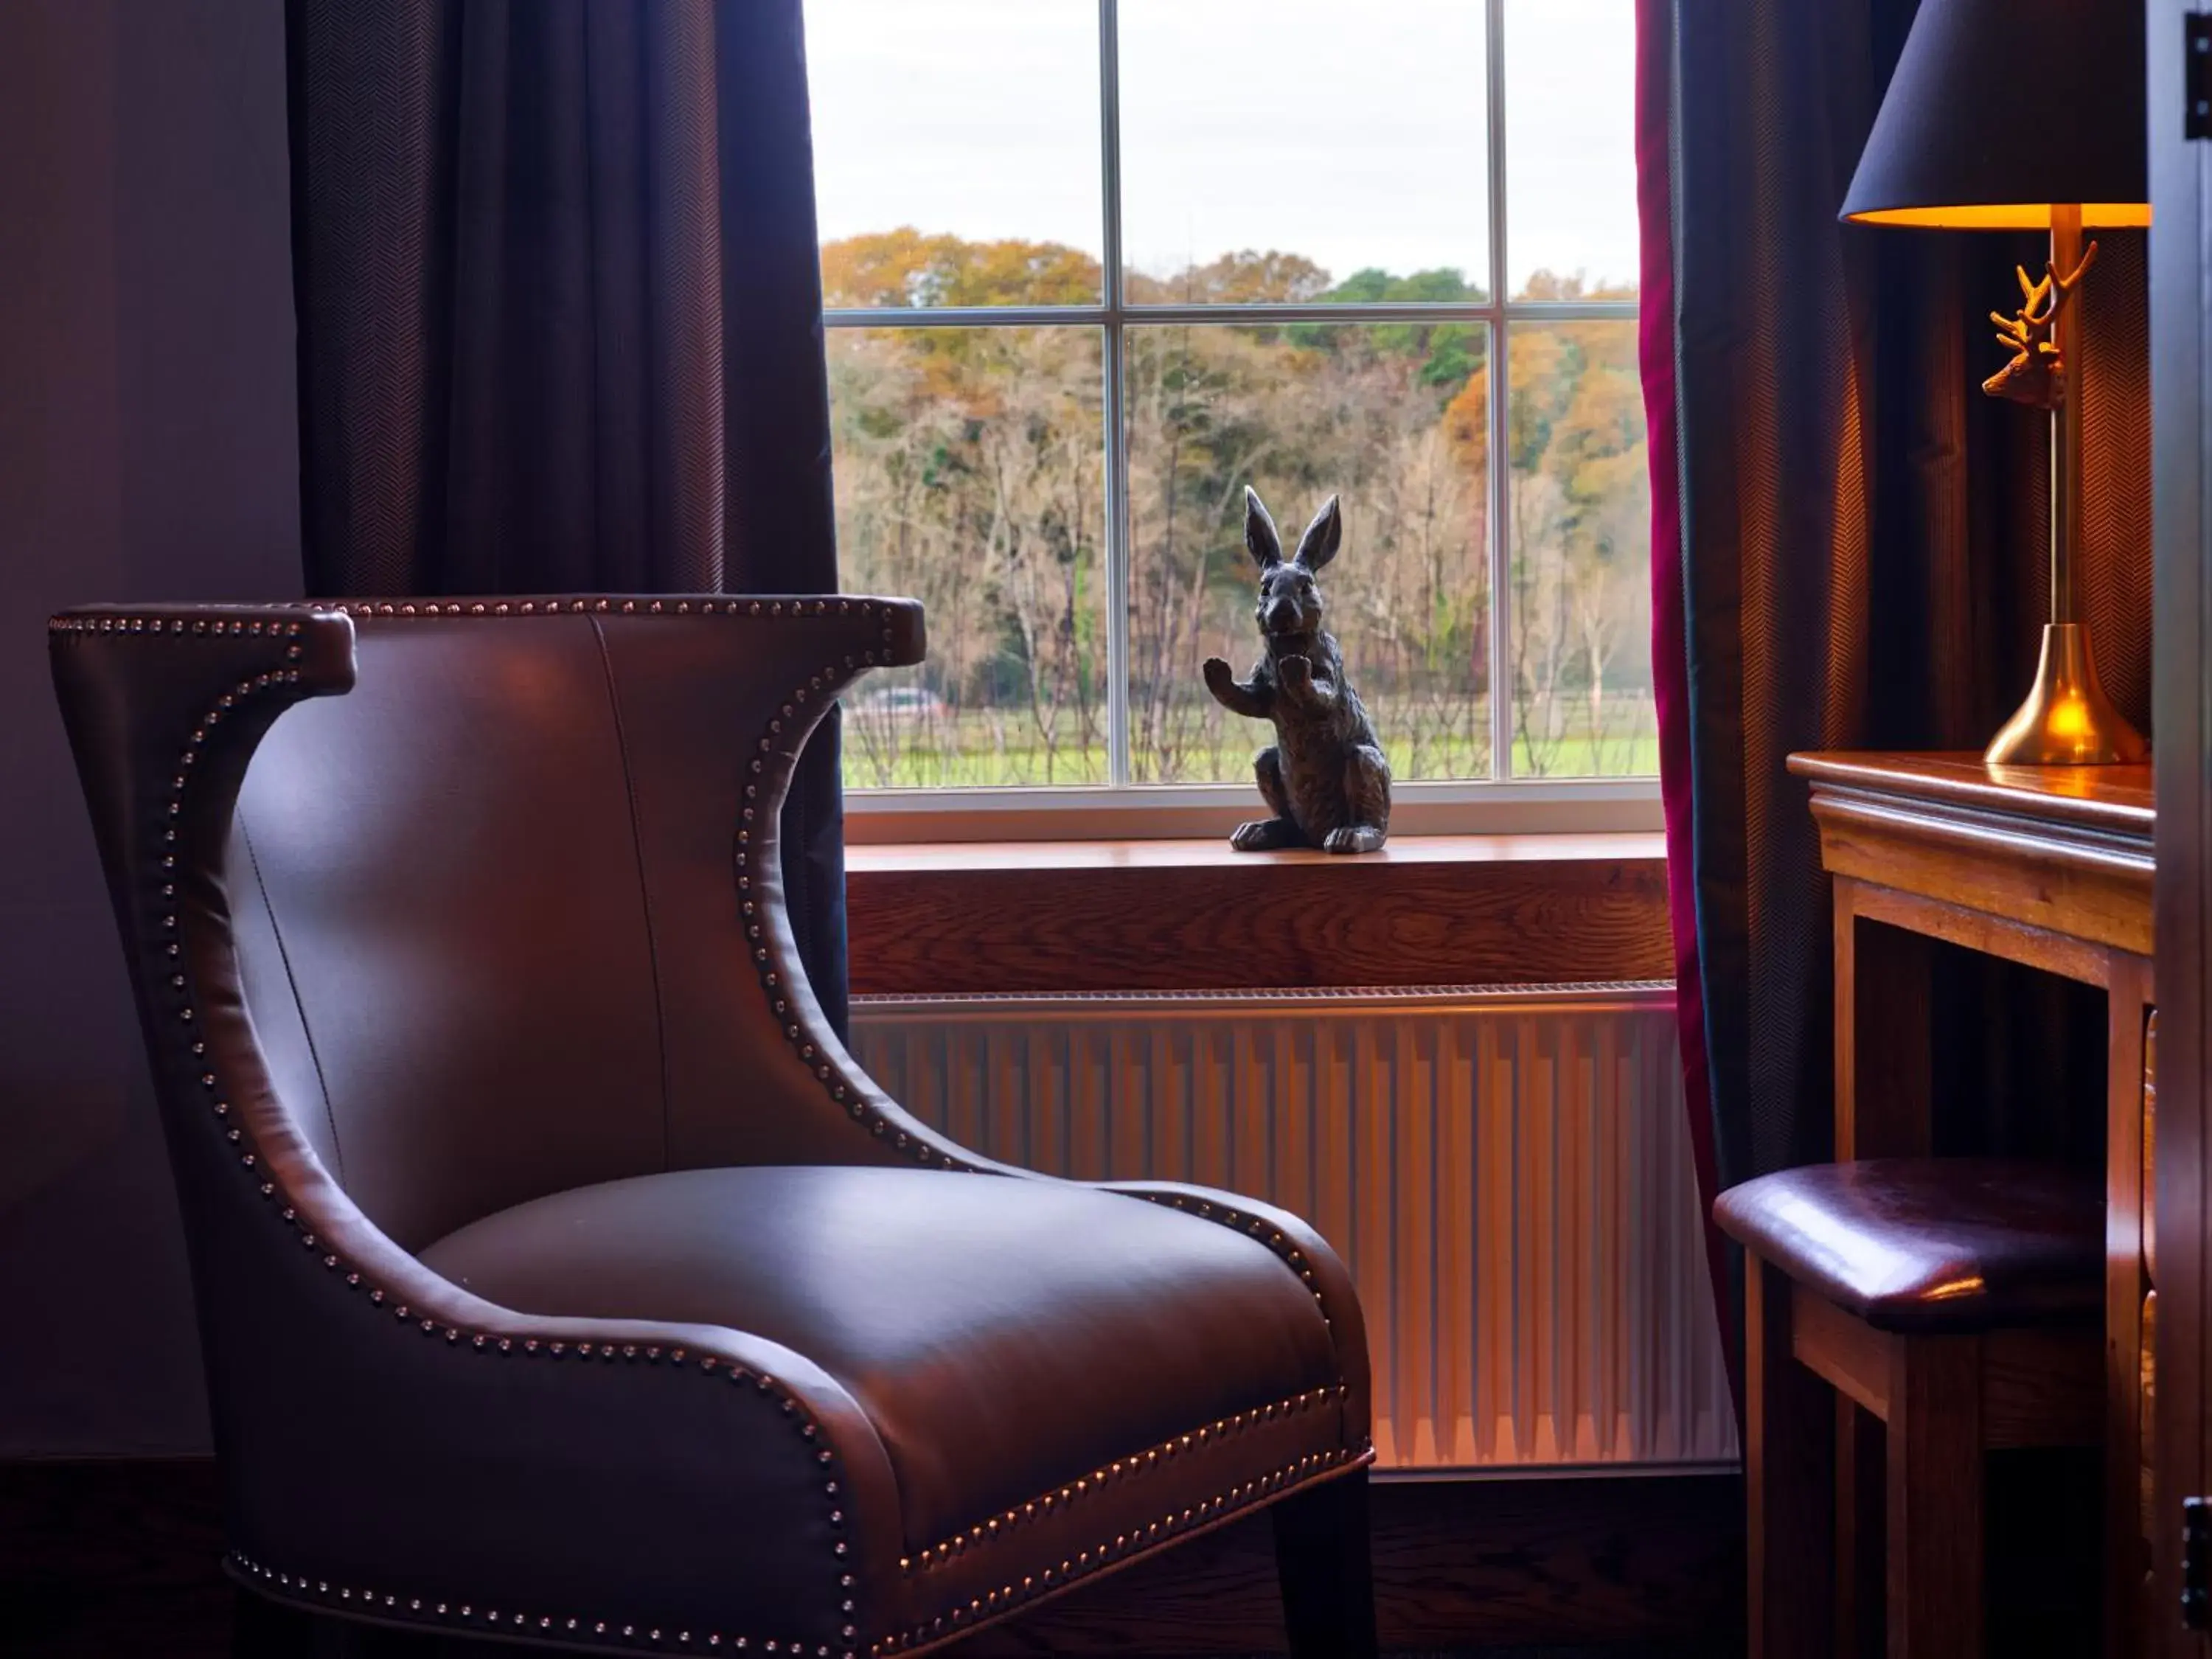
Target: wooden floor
x=108 y=1560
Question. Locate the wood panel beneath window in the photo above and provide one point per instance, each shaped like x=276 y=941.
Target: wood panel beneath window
x=1087 y=916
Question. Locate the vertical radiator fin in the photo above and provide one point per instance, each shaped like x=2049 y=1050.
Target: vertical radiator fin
x=1508 y=1174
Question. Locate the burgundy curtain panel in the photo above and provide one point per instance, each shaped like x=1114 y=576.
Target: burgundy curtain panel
x=560 y=320
x=1848 y=549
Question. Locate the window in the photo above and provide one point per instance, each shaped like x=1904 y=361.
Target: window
x=1091 y=266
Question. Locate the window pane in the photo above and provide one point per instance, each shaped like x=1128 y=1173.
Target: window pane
x=969 y=469
x=956 y=151
x=1301 y=149
x=1578 y=652
x=1570 y=149
x=1392 y=417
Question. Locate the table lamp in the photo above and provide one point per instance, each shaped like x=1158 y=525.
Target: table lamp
x=2026 y=115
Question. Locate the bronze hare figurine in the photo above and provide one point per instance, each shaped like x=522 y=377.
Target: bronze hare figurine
x=1325 y=777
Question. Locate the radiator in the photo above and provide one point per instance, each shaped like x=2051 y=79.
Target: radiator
x=1507 y=1172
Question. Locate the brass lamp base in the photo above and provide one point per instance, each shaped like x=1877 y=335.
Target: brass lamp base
x=2067 y=720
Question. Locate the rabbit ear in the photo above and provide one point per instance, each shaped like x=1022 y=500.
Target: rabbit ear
x=1261 y=540
x=1322 y=537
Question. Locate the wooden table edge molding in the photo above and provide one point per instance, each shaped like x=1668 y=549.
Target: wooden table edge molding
x=1052 y=917
x=2049 y=866
x=2114 y=798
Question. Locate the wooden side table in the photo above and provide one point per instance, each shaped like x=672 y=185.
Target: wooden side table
x=2048 y=866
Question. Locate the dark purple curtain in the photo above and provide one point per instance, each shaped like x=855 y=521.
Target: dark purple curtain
x=1849 y=550
x=1655 y=195
x=560 y=320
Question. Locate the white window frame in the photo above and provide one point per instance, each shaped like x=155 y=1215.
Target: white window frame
x=1121 y=808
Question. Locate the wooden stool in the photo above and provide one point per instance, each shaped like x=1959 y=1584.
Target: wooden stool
x=1960 y=1301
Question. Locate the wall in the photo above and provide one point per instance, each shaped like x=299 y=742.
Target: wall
x=147 y=451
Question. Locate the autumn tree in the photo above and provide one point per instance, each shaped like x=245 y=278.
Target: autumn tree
x=968 y=472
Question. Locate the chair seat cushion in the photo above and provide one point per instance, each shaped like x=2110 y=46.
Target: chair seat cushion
x=1931 y=1245
x=1005 y=1336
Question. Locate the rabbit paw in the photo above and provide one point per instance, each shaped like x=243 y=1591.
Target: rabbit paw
x=1263 y=836
x=1300 y=685
x=1353 y=838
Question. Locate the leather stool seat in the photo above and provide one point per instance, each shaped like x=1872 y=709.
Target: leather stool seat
x=1931 y=1246
x=1957 y=1302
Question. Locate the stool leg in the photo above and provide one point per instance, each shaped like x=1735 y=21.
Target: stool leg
x=1788 y=1459
x=1936 y=1498
x=1861 y=1499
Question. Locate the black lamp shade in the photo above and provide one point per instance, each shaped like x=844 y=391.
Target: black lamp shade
x=2000 y=108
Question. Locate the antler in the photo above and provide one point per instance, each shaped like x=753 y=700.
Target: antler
x=2068 y=284
x=2036 y=374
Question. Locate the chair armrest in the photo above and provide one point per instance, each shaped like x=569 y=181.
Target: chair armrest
x=164 y=706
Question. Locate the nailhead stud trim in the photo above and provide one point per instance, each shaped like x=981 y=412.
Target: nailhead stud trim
x=1243 y=1221
x=1107 y=1552
x=178 y=985
x=582 y=1629
x=772 y=767
x=1144 y=1462
x=572 y=605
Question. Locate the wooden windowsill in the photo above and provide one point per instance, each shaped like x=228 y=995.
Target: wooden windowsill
x=1026 y=917
x=917 y=856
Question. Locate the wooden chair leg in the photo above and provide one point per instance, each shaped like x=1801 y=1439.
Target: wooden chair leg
x=1789 y=1435
x=1322 y=1558
x=1935 y=1584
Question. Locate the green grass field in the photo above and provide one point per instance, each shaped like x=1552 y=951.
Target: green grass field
x=972 y=749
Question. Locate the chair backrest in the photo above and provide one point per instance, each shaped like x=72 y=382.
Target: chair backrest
x=506 y=916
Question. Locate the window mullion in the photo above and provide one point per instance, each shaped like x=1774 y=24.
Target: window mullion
x=1115 y=428
x=1501 y=385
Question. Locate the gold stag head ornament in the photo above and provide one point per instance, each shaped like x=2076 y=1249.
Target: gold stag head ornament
x=2036 y=375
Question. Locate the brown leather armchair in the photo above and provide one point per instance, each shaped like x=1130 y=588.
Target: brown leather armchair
x=560 y=1276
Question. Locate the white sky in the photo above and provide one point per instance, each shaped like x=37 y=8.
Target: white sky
x=1351 y=131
